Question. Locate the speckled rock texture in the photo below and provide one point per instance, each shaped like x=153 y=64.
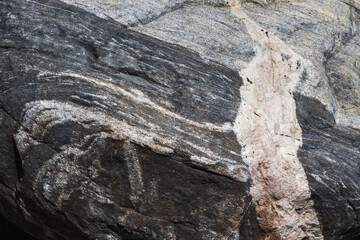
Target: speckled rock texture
x=180 y=119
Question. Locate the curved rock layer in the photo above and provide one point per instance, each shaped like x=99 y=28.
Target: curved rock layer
x=180 y=119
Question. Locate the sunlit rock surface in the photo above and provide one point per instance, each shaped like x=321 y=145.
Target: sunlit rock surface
x=180 y=119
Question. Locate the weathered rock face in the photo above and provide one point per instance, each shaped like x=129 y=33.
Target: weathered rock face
x=183 y=119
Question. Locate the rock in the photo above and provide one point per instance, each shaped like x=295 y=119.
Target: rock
x=180 y=119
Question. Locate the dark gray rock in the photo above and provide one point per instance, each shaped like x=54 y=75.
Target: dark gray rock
x=128 y=119
x=81 y=99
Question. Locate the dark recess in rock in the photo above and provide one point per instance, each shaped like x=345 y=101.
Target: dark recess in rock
x=8 y=231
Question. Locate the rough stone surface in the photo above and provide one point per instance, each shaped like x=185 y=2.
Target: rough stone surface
x=180 y=119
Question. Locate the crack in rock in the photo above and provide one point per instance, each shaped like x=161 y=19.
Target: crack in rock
x=270 y=135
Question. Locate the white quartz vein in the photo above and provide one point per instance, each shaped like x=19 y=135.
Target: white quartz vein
x=270 y=136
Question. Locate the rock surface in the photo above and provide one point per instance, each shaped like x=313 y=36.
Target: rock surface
x=180 y=119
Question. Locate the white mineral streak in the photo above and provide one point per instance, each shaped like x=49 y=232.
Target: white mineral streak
x=55 y=112
x=139 y=97
x=135 y=176
x=54 y=184
x=268 y=131
x=49 y=109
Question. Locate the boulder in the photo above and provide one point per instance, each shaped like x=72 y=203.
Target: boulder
x=180 y=119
